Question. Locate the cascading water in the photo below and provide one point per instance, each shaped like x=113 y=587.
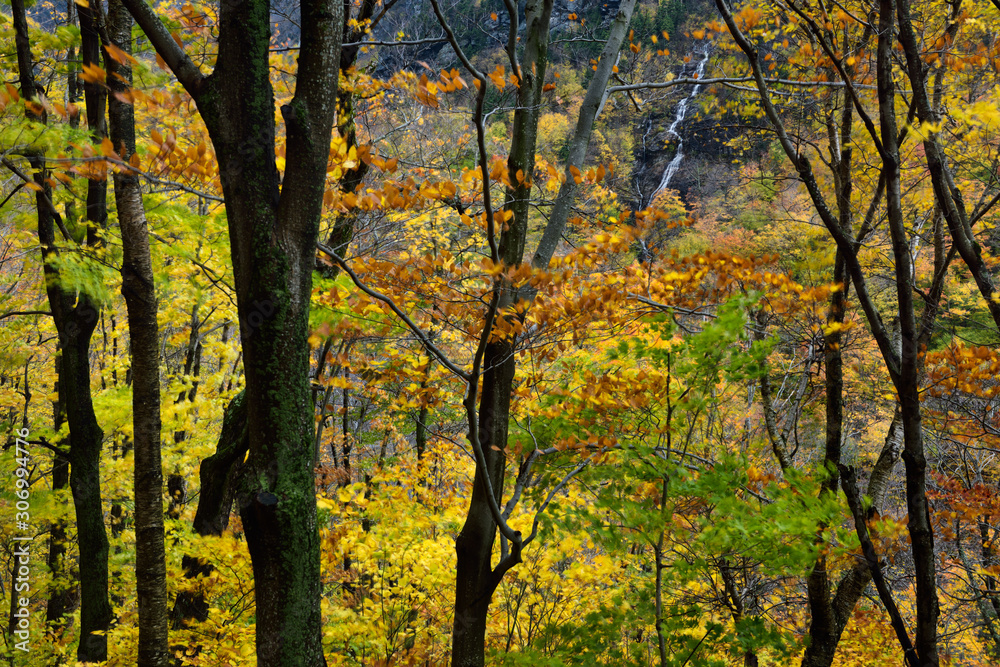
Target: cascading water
x=682 y=108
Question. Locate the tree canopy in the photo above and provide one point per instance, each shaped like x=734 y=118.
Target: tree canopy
x=655 y=332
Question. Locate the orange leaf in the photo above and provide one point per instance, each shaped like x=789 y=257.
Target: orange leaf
x=125 y=97
x=93 y=73
x=497 y=76
x=119 y=56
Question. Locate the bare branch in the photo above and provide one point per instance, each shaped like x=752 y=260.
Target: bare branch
x=146 y=175
x=417 y=331
x=180 y=64
x=693 y=81
x=401 y=42
x=15 y=313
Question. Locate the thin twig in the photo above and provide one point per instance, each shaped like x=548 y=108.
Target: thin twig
x=410 y=324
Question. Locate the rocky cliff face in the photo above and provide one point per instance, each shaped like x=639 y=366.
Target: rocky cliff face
x=474 y=25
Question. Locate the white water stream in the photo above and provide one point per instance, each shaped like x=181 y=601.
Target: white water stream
x=682 y=108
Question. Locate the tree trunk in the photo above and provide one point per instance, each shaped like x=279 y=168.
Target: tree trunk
x=906 y=380
x=140 y=299
x=273 y=228
x=95 y=96
x=61 y=593
x=75 y=317
x=215 y=502
x=475 y=581
x=85 y=478
x=824 y=626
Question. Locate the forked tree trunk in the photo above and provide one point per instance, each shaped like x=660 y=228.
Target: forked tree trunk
x=273 y=228
x=475 y=581
x=476 y=578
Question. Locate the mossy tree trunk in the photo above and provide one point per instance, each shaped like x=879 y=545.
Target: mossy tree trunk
x=75 y=317
x=273 y=228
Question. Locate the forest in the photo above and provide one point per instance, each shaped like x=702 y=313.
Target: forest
x=506 y=332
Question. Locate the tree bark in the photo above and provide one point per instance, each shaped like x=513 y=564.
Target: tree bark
x=75 y=317
x=61 y=594
x=824 y=627
x=273 y=228
x=474 y=578
x=475 y=581
x=95 y=97
x=215 y=502
x=139 y=291
x=907 y=380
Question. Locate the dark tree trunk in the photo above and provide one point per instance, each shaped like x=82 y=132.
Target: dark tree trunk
x=273 y=230
x=176 y=483
x=61 y=594
x=85 y=476
x=139 y=291
x=475 y=581
x=215 y=502
x=475 y=577
x=825 y=623
x=906 y=380
x=75 y=317
x=95 y=97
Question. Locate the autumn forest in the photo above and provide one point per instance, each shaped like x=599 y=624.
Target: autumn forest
x=500 y=332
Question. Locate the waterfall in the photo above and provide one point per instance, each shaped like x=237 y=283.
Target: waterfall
x=675 y=126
